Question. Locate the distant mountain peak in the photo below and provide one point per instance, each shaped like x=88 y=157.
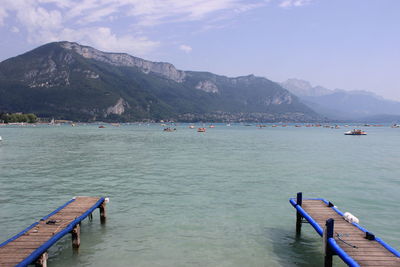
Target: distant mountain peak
x=304 y=88
x=341 y=104
x=303 y=84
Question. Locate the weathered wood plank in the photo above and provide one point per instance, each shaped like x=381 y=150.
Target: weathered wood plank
x=367 y=252
x=20 y=248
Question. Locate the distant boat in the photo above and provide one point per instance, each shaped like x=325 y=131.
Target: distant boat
x=191 y=127
x=201 y=130
x=102 y=126
x=1 y=139
x=169 y=129
x=355 y=132
x=396 y=126
x=211 y=126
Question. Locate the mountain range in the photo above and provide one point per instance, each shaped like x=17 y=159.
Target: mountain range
x=344 y=105
x=66 y=80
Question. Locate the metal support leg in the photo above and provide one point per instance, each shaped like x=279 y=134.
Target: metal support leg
x=298 y=215
x=328 y=233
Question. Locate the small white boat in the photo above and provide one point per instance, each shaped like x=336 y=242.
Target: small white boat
x=355 y=132
x=1 y=139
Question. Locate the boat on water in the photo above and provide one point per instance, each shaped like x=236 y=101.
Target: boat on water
x=191 y=127
x=102 y=126
x=201 y=130
x=395 y=126
x=355 y=132
x=169 y=129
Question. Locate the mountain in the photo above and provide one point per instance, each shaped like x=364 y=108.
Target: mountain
x=340 y=104
x=69 y=81
x=303 y=88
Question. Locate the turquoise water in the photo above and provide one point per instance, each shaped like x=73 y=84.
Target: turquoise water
x=184 y=198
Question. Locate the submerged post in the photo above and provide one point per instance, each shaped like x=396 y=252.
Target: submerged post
x=102 y=208
x=76 y=236
x=298 y=215
x=328 y=233
x=42 y=260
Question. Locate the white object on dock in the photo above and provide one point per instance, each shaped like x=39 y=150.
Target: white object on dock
x=350 y=218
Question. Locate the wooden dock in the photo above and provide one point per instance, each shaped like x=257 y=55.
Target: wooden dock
x=352 y=243
x=30 y=246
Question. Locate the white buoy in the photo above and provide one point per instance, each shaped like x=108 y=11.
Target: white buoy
x=350 y=218
x=107 y=200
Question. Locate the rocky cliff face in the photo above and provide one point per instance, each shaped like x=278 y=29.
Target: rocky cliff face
x=207 y=86
x=118 y=108
x=118 y=59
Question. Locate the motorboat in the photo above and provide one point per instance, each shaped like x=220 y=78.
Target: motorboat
x=355 y=132
x=201 y=130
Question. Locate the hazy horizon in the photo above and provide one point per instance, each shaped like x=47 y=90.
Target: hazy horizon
x=350 y=45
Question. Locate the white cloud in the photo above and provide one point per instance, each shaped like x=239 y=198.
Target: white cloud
x=185 y=48
x=88 y=21
x=293 y=3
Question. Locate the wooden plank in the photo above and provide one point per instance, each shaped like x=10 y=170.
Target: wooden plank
x=20 y=248
x=367 y=252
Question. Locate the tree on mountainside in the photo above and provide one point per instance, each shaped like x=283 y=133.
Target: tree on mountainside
x=18 y=117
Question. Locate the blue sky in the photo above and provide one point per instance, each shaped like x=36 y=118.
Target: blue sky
x=346 y=44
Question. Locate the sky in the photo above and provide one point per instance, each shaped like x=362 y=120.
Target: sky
x=345 y=44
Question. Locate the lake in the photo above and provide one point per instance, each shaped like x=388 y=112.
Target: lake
x=184 y=198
